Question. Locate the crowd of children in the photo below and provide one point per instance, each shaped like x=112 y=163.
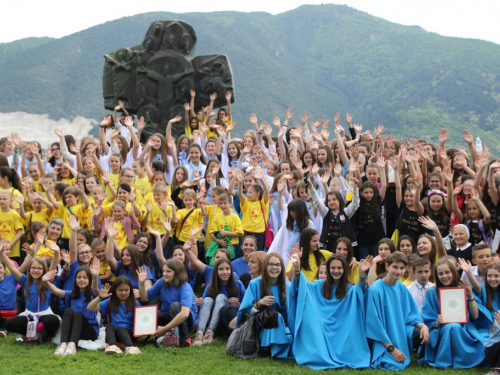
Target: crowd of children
x=344 y=238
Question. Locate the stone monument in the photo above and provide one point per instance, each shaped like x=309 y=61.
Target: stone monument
x=154 y=79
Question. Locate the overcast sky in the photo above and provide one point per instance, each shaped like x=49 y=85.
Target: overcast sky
x=479 y=19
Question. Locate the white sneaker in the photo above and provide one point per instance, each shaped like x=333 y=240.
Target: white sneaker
x=61 y=349
x=70 y=350
x=2 y=334
x=113 y=349
x=132 y=350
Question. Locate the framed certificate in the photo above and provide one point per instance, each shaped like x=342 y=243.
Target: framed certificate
x=145 y=320
x=453 y=305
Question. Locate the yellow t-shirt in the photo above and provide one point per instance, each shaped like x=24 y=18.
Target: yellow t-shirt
x=64 y=214
x=211 y=133
x=142 y=184
x=31 y=217
x=114 y=179
x=156 y=216
x=210 y=212
x=408 y=282
x=15 y=193
x=69 y=181
x=10 y=223
x=192 y=222
x=233 y=222
x=252 y=218
x=312 y=274
x=38 y=188
x=354 y=275
x=121 y=237
x=44 y=252
x=103 y=268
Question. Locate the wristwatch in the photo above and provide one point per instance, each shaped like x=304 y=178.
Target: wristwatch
x=390 y=348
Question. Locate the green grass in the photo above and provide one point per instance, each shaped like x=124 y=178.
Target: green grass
x=21 y=358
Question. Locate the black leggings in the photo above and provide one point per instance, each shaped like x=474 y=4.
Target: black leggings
x=76 y=327
x=123 y=335
x=19 y=324
x=174 y=309
x=493 y=355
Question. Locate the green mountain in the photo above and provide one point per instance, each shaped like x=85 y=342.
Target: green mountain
x=322 y=59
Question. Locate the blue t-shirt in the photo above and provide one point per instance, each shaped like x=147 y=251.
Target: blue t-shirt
x=128 y=274
x=70 y=281
x=207 y=274
x=170 y=294
x=240 y=266
x=191 y=276
x=8 y=293
x=80 y=304
x=223 y=290
x=120 y=318
x=32 y=293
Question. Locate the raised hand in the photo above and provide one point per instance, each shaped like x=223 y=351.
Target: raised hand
x=105 y=291
x=213 y=96
x=348 y=118
x=74 y=224
x=166 y=224
x=427 y=222
x=229 y=95
x=94 y=266
x=65 y=256
x=464 y=265
x=153 y=232
x=467 y=136
x=49 y=276
x=142 y=274
x=365 y=264
x=289 y=114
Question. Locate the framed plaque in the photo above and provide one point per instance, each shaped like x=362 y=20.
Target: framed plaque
x=453 y=305
x=145 y=320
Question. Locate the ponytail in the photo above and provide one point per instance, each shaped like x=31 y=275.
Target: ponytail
x=12 y=176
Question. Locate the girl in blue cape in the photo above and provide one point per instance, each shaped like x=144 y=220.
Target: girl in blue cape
x=489 y=315
x=486 y=296
x=329 y=329
x=450 y=345
x=269 y=290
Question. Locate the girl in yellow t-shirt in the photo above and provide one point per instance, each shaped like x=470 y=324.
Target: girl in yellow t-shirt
x=311 y=257
x=11 y=227
x=9 y=180
x=187 y=223
x=141 y=181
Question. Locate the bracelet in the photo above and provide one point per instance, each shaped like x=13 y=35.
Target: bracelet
x=472 y=306
x=470 y=300
x=106 y=183
x=259 y=132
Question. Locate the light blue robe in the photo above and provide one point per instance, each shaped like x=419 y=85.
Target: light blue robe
x=452 y=345
x=391 y=316
x=328 y=333
x=280 y=338
x=486 y=317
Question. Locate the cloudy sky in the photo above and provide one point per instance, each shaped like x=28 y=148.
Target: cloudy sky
x=477 y=19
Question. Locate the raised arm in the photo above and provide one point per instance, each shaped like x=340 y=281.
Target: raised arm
x=428 y=223
x=111 y=233
x=8 y=263
x=48 y=284
x=129 y=123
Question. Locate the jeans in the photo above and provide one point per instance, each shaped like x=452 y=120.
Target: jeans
x=364 y=251
x=212 y=307
x=174 y=309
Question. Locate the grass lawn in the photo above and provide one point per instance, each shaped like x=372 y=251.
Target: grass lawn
x=21 y=358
